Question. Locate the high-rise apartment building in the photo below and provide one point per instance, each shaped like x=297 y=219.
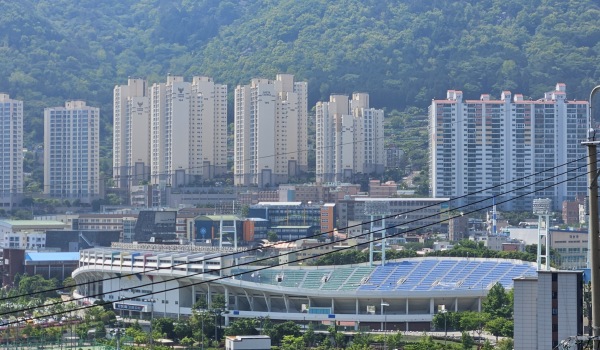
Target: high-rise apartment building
x=188 y=130
x=349 y=138
x=271 y=122
x=11 y=150
x=213 y=123
x=71 y=151
x=131 y=133
x=511 y=149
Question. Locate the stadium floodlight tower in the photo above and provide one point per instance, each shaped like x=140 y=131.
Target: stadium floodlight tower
x=377 y=210
x=541 y=208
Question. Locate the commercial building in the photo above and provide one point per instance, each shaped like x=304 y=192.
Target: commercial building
x=271 y=123
x=11 y=148
x=405 y=213
x=349 y=138
x=571 y=246
x=72 y=151
x=548 y=309
x=508 y=148
x=29 y=234
x=188 y=130
x=131 y=133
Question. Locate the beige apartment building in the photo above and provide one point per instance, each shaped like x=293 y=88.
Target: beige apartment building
x=271 y=122
x=188 y=130
x=131 y=133
x=349 y=138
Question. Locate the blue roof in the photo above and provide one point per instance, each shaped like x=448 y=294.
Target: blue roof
x=51 y=256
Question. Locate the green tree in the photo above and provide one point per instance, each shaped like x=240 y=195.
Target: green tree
x=272 y=236
x=182 y=330
x=218 y=302
x=290 y=342
x=69 y=283
x=473 y=321
x=498 y=302
x=505 y=344
x=500 y=327
x=362 y=340
x=467 y=341
x=487 y=345
x=36 y=285
x=278 y=331
x=395 y=340
x=425 y=343
x=164 y=326
x=200 y=304
x=242 y=326
x=309 y=335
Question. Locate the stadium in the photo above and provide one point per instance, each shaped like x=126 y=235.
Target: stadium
x=405 y=294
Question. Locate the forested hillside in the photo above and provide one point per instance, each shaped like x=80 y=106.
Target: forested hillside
x=402 y=52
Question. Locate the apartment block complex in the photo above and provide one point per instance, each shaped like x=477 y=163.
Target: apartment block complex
x=131 y=133
x=188 y=137
x=510 y=148
x=349 y=138
x=71 y=151
x=271 y=122
x=11 y=149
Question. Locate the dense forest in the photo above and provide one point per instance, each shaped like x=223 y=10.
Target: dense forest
x=404 y=53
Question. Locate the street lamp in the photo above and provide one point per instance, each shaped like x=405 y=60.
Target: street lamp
x=383 y=303
x=117 y=333
x=444 y=311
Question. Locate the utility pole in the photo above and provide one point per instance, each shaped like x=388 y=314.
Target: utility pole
x=592 y=146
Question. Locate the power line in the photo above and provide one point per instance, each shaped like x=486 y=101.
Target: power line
x=359 y=224
x=299 y=250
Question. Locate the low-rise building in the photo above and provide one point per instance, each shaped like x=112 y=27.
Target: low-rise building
x=15 y=233
x=247 y=342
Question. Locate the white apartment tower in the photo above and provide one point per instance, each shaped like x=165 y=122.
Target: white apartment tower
x=349 y=138
x=71 y=151
x=131 y=133
x=509 y=148
x=213 y=121
x=188 y=130
x=11 y=148
x=271 y=121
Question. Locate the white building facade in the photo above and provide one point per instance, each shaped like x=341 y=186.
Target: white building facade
x=11 y=148
x=271 y=122
x=27 y=234
x=131 y=133
x=188 y=130
x=71 y=151
x=491 y=147
x=349 y=138
x=548 y=309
